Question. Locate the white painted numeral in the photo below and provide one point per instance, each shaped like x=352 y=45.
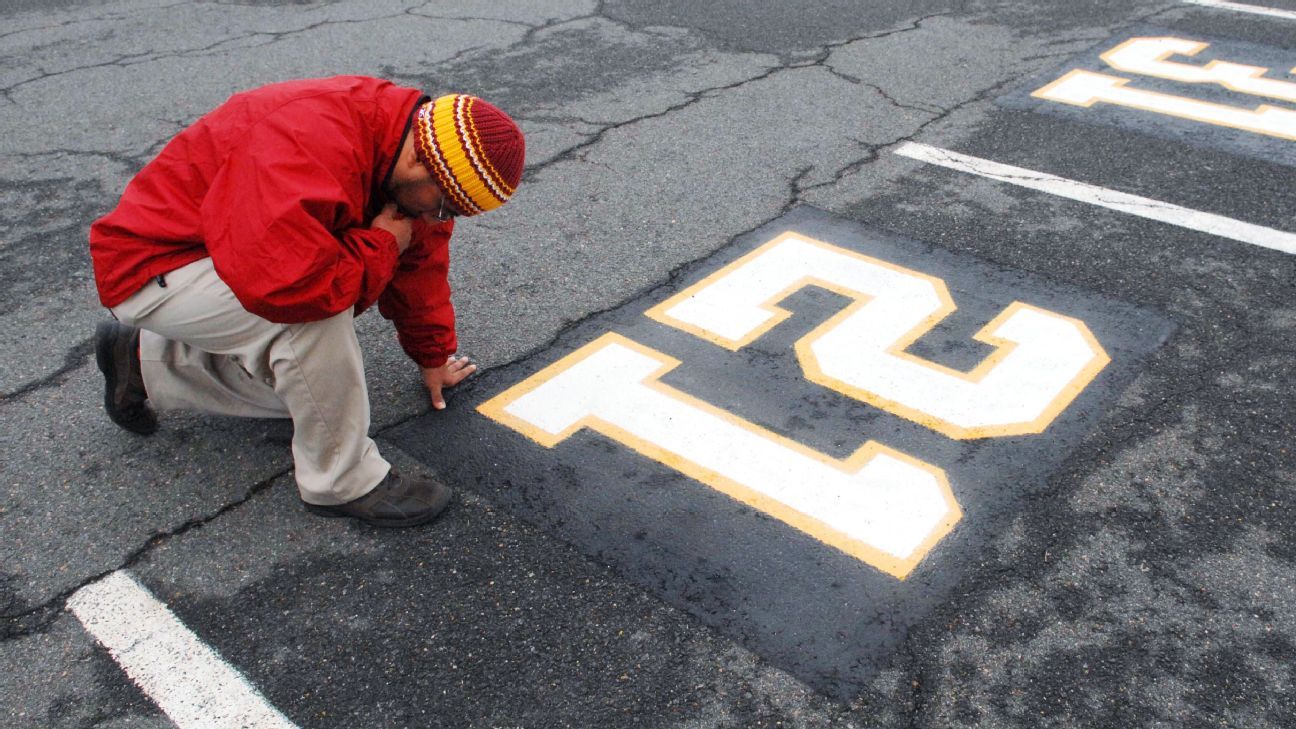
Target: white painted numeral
x=1147 y=57
x=1042 y=361
x=879 y=505
x=1086 y=88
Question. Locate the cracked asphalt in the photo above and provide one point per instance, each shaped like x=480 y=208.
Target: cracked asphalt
x=1150 y=583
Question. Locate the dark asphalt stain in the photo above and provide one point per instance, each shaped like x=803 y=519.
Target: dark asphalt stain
x=1255 y=29
x=806 y=607
x=479 y=622
x=46 y=224
x=11 y=602
x=1042 y=19
x=111 y=699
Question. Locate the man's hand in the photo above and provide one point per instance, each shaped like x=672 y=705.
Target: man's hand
x=454 y=371
x=393 y=221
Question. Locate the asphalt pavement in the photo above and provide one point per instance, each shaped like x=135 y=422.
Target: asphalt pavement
x=1123 y=560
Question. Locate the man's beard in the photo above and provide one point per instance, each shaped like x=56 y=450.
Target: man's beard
x=393 y=195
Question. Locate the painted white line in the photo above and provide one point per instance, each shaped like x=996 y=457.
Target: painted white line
x=182 y=675
x=1245 y=8
x=1259 y=235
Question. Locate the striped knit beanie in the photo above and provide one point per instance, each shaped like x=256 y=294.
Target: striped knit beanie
x=475 y=151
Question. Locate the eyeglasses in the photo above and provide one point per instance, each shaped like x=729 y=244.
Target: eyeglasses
x=444 y=213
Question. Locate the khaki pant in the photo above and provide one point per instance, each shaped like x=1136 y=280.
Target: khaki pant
x=201 y=350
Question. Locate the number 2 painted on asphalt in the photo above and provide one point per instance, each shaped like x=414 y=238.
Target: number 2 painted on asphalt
x=881 y=506
x=1041 y=363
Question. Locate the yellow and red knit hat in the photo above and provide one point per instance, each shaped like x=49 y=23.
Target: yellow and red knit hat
x=475 y=151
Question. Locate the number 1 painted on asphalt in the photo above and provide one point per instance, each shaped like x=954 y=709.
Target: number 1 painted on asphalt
x=878 y=505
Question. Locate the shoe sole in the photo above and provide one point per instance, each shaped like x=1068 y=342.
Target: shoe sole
x=104 y=335
x=427 y=516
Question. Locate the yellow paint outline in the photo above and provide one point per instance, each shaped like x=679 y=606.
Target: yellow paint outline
x=813 y=372
x=1254 y=72
x=1041 y=92
x=495 y=409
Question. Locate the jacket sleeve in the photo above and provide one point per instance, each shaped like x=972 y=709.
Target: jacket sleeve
x=418 y=299
x=282 y=221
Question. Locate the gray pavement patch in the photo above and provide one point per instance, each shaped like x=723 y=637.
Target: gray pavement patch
x=943 y=81
x=567 y=62
x=170 y=58
x=774 y=27
x=73 y=359
x=478 y=620
x=78 y=496
x=1196 y=113
x=826 y=617
x=31 y=268
x=59 y=679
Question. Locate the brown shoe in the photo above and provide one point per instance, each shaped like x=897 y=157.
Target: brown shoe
x=394 y=502
x=117 y=353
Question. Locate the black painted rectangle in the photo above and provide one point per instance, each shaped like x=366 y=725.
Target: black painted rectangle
x=1279 y=61
x=825 y=616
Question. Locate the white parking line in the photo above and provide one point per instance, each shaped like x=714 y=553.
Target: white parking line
x=1259 y=235
x=182 y=675
x=1245 y=8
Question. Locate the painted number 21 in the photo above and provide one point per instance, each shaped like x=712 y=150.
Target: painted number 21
x=879 y=505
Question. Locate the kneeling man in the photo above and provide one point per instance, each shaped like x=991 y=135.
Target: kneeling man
x=237 y=260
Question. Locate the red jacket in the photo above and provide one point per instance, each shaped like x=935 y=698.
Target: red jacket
x=278 y=185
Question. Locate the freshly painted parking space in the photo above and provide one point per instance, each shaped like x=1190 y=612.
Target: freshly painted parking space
x=803 y=439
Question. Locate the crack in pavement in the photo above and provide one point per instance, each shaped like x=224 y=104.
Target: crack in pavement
x=14 y=626
x=121 y=157
x=526 y=39
x=103 y=18
x=73 y=359
x=391 y=73
x=501 y=21
x=917 y=685
x=875 y=151
x=692 y=97
x=532 y=29
x=272 y=37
